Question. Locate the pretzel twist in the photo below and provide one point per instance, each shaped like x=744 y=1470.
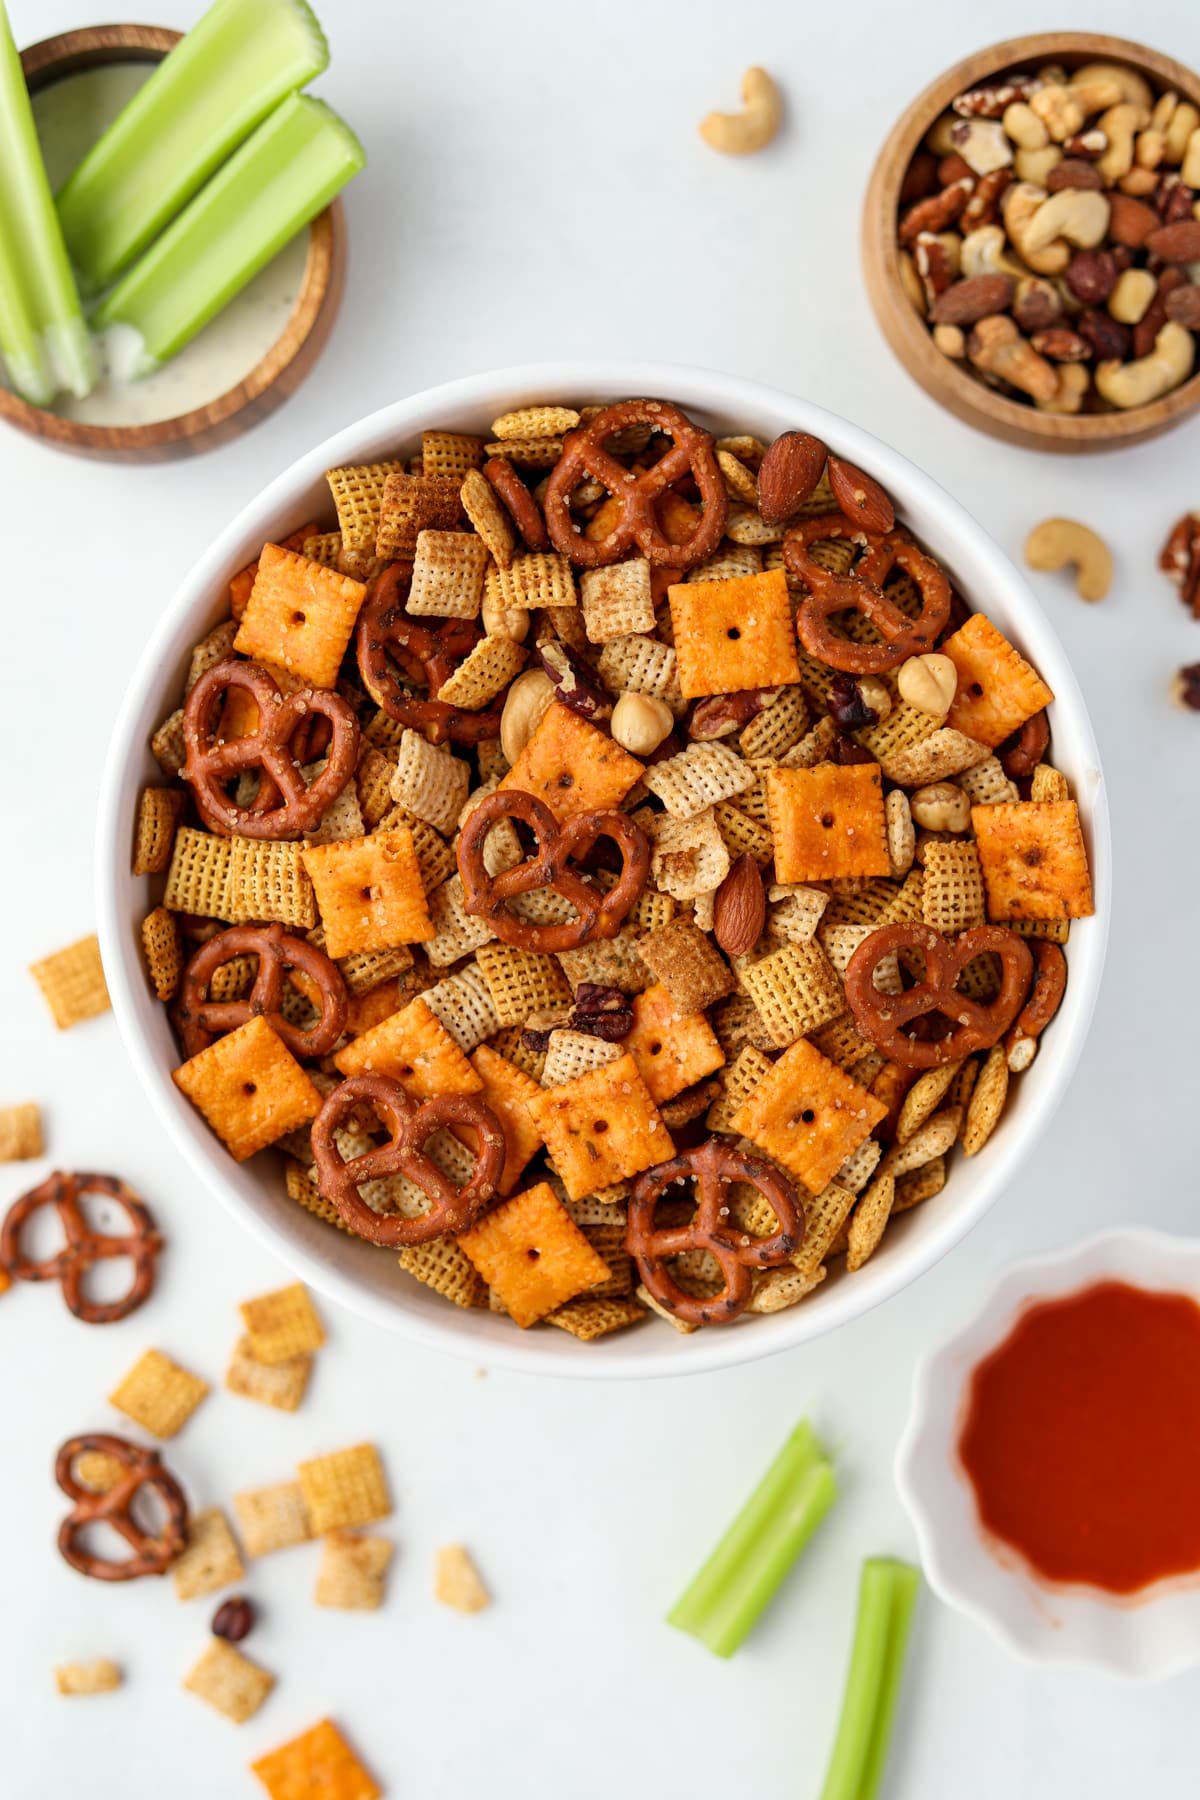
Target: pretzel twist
x=861 y=591
x=141 y=1469
x=84 y=1247
x=200 y=1019
x=397 y=656
x=974 y=1024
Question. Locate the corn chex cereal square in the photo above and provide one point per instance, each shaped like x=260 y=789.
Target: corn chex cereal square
x=415 y=1049
x=344 y=1489
x=250 y=1088
x=952 y=894
x=229 y=1681
x=808 y=1116
x=352 y=1571
x=590 y=1318
x=735 y=634
x=369 y=892
x=997 y=689
x=282 y=1324
x=698 y=778
x=1034 y=860
x=796 y=990
x=357 y=492
x=672 y=1049
x=827 y=822
x=450 y=452
x=162 y=951
x=521 y=982
x=100 y=1676
x=211 y=1559
x=601 y=1128
x=508 y=1090
x=158 y=814
x=21 y=1132
x=532 y=1253
x=278 y=1384
x=573 y=767
x=483 y=673
x=272 y=1518
x=72 y=981
x=300 y=616
x=444 y=1267
x=457 y=1582
x=540 y=578
x=317 y=1765
x=447 y=577
x=158 y=1395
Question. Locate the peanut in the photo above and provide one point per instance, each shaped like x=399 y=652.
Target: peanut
x=942 y=806
x=929 y=683
x=640 y=722
x=1131 y=297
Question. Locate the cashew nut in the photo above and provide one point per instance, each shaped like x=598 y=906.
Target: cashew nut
x=1179 y=133
x=1072 y=386
x=1035 y=165
x=1190 y=172
x=1149 y=149
x=1059 y=110
x=996 y=347
x=1133 y=87
x=1092 y=93
x=1078 y=214
x=528 y=699
x=740 y=134
x=984 y=252
x=1119 y=125
x=910 y=281
x=1020 y=205
x=1131 y=296
x=1056 y=542
x=1149 y=377
x=1023 y=126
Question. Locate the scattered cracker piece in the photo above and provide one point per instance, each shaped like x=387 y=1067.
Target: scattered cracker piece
x=272 y=1518
x=457 y=1583
x=281 y=1383
x=73 y=982
x=533 y=1254
x=99 y=1676
x=229 y=1681
x=211 y=1560
x=351 y=1576
x=282 y=1324
x=158 y=1395
x=250 y=1088
x=21 y=1132
x=345 y=1488
x=317 y=1765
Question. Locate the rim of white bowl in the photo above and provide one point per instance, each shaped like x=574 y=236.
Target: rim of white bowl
x=929 y=1483
x=951 y=532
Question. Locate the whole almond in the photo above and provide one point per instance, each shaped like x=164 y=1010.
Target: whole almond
x=1130 y=221
x=1073 y=173
x=788 y=474
x=860 y=497
x=740 y=908
x=966 y=302
x=1184 y=307
x=1178 y=243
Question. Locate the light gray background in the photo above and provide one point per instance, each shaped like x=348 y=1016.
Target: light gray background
x=536 y=188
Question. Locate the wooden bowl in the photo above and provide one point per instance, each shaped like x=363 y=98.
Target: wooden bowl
x=966 y=396
x=276 y=375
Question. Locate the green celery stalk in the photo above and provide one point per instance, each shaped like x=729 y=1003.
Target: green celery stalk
x=726 y=1598
x=281 y=177
x=43 y=337
x=886 y=1596
x=202 y=101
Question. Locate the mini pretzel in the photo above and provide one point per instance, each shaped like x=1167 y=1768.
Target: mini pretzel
x=713 y=1166
x=84 y=1247
x=284 y=806
x=692 y=453
x=600 y=914
x=861 y=591
x=411 y=1126
x=1023 y=751
x=200 y=1019
x=141 y=1468
x=397 y=654
x=974 y=1026
x=519 y=503
x=1045 y=995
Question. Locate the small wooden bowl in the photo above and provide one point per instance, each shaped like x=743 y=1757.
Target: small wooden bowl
x=963 y=394
x=275 y=376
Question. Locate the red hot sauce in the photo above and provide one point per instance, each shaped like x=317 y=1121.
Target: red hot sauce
x=1082 y=1437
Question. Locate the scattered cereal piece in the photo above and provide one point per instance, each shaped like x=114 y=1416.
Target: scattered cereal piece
x=272 y=1518
x=457 y=1583
x=211 y=1559
x=317 y=1765
x=73 y=982
x=100 y=1676
x=21 y=1132
x=229 y=1681
x=345 y=1488
x=352 y=1571
x=158 y=1395
x=282 y=1324
x=281 y=1384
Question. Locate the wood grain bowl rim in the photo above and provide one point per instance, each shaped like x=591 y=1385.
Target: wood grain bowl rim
x=263 y=386
x=963 y=395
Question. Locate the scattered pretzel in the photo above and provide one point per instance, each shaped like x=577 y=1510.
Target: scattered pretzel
x=451 y=1209
x=397 y=655
x=713 y=1166
x=83 y=1247
x=283 y=807
x=638 y=492
x=861 y=591
x=973 y=1025
x=601 y=913
x=200 y=1019
x=141 y=1469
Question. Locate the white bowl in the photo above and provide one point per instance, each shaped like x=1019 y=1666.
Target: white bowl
x=1139 y=1637
x=356 y=1273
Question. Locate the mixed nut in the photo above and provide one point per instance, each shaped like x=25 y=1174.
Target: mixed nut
x=1049 y=232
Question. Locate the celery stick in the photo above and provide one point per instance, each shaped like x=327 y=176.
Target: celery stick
x=42 y=334
x=203 y=100
x=281 y=177
x=886 y=1595
x=724 y=1601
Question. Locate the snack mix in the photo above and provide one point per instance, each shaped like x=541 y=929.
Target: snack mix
x=1049 y=234
x=611 y=864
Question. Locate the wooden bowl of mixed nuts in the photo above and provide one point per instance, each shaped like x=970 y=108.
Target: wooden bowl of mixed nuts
x=1031 y=241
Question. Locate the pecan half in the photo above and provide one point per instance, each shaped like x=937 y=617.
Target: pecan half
x=1179 y=559
x=1184 y=306
x=574 y=683
x=937 y=212
x=1061 y=344
x=720 y=715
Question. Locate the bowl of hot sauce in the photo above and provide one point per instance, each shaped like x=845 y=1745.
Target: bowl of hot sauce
x=1051 y=1461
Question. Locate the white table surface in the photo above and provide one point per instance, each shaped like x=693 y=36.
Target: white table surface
x=537 y=188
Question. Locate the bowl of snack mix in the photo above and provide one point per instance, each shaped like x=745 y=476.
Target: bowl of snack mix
x=583 y=878
x=1031 y=241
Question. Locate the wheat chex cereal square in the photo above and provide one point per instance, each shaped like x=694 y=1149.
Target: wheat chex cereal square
x=72 y=981
x=317 y=1765
x=357 y=492
x=997 y=689
x=450 y=452
x=673 y=1049
x=250 y=1088
x=273 y=1517
x=1035 y=864
x=827 y=821
x=681 y=957
x=521 y=982
x=369 y=892
x=601 y=1128
x=344 y=1489
x=411 y=504
x=808 y=1115
x=952 y=893
x=415 y=1049
x=532 y=1253
x=100 y=1676
x=508 y=1091
x=282 y=1324
x=158 y=1395
x=158 y=814
x=279 y=1384
x=300 y=615
x=444 y=1267
x=162 y=950
x=211 y=1559
x=572 y=767
x=229 y=1681
x=352 y=1571
x=734 y=634
x=21 y=1132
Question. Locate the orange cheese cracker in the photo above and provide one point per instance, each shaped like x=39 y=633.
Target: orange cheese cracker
x=808 y=1115
x=572 y=767
x=250 y=1088
x=828 y=822
x=369 y=892
x=997 y=689
x=734 y=634
x=415 y=1049
x=1034 y=860
x=532 y=1253
x=508 y=1091
x=300 y=615
x=672 y=1049
x=602 y=1127
x=317 y=1765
